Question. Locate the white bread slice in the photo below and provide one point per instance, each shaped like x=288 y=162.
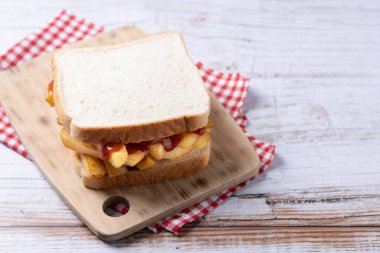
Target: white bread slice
x=131 y=92
x=185 y=165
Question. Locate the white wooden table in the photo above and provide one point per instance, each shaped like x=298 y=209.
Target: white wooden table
x=315 y=76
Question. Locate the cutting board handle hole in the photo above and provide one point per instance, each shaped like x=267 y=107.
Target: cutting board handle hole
x=116 y=206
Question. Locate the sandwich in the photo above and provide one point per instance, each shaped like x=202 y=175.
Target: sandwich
x=133 y=113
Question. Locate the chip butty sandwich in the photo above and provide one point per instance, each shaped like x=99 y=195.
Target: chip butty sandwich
x=135 y=113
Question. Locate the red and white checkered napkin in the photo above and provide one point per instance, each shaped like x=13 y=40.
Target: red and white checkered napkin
x=230 y=89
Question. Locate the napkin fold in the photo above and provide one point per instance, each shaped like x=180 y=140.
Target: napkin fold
x=229 y=88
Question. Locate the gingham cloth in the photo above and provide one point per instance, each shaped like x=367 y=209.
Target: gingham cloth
x=230 y=89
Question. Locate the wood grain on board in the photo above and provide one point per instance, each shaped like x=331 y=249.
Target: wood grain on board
x=232 y=158
x=314 y=92
x=205 y=239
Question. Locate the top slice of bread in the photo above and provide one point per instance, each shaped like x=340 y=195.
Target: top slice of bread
x=130 y=92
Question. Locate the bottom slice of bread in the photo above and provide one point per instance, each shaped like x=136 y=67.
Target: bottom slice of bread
x=188 y=164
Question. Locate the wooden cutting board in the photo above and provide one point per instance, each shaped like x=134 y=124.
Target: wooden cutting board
x=22 y=91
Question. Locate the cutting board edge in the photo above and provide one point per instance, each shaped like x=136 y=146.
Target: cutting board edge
x=125 y=232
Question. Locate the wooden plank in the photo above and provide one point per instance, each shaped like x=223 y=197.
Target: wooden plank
x=347 y=196
x=232 y=158
x=34 y=204
x=210 y=239
x=300 y=56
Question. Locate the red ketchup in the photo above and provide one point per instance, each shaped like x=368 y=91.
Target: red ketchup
x=107 y=149
x=200 y=131
x=169 y=143
x=135 y=147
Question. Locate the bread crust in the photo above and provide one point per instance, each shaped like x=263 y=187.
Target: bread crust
x=138 y=133
x=188 y=164
x=128 y=133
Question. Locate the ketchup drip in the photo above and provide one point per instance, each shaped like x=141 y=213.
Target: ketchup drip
x=107 y=149
x=169 y=143
x=50 y=88
x=135 y=147
x=200 y=131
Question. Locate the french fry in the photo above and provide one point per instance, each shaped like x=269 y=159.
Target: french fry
x=210 y=124
x=176 y=152
x=146 y=163
x=187 y=140
x=49 y=98
x=135 y=158
x=94 y=167
x=118 y=158
x=157 y=151
x=78 y=146
x=113 y=172
x=49 y=94
x=202 y=140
